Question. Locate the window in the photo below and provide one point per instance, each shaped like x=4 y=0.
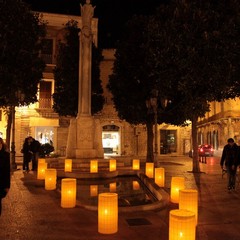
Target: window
x=47 y=51
x=45 y=94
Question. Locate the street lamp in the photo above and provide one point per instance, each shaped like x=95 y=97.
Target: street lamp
x=154 y=105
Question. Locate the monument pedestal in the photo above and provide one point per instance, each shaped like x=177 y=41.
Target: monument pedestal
x=84 y=138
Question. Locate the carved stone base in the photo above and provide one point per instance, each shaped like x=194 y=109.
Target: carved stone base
x=84 y=138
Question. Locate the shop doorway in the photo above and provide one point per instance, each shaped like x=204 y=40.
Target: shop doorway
x=111 y=140
x=44 y=135
x=168 y=142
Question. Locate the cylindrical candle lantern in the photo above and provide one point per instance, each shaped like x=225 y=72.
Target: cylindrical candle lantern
x=160 y=177
x=107 y=213
x=188 y=200
x=136 y=185
x=182 y=225
x=50 y=179
x=112 y=165
x=94 y=166
x=177 y=183
x=42 y=166
x=113 y=187
x=136 y=164
x=149 y=169
x=93 y=190
x=68 y=192
x=68 y=165
x=41 y=160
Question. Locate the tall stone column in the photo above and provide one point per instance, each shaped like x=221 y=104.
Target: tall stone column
x=84 y=139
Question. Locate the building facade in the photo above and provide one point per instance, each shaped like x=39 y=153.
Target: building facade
x=119 y=138
x=221 y=123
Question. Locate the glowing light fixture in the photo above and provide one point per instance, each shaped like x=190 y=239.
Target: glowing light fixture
x=112 y=165
x=68 y=165
x=42 y=166
x=107 y=213
x=136 y=185
x=68 y=192
x=113 y=187
x=182 y=225
x=149 y=169
x=94 y=166
x=93 y=190
x=188 y=200
x=136 y=164
x=177 y=183
x=50 y=178
x=160 y=177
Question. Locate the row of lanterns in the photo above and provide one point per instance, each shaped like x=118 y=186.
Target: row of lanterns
x=107 y=202
x=183 y=221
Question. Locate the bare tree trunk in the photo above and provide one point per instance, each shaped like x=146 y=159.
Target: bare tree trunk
x=150 y=157
x=195 y=167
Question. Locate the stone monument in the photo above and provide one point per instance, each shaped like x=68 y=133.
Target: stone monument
x=84 y=136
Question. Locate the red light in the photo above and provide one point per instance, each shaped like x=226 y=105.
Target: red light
x=201 y=150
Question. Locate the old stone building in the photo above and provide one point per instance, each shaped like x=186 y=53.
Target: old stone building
x=118 y=137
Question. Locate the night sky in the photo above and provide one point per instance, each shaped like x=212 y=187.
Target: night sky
x=112 y=14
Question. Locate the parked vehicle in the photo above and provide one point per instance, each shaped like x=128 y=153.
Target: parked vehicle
x=204 y=150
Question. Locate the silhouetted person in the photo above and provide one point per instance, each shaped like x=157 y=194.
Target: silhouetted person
x=4 y=172
x=229 y=158
x=27 y=153
x=35 y=148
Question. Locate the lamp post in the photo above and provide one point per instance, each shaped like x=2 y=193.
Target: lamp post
x=154 y=105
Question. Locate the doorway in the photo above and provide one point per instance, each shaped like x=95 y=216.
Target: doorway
x=111 y=140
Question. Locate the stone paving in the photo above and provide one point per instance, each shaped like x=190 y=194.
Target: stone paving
x=32 y=213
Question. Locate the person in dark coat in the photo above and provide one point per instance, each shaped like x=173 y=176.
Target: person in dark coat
x=35 y=148
x=27 y=153
x=229 y=158
x=4 y=172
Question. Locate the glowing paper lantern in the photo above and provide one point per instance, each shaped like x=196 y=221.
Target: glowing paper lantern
x=41 y=160
x=149 y=169
x=107 y=213
x=68 y=192
x=94 y=166
x=68 y=165
x=50 y=179
x=160 y=177
x=182 y=225
x=113 y=187
x=136 y=185
x=112 y=165
x=188 y=200
x=177 y=183
x=42 y=166
x=136 y=164
x=93 y=190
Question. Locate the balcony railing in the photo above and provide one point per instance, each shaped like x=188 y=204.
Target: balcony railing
x=45 y=103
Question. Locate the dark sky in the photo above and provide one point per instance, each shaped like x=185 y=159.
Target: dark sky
x=112 y=14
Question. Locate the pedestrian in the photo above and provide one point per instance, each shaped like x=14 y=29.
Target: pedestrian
x=4 y=172
x=229 y=158
x=35 y=148
x=27 y=154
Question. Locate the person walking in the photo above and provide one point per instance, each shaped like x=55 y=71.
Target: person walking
x=27 y=153
x=4 y=172
x=229 y=158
